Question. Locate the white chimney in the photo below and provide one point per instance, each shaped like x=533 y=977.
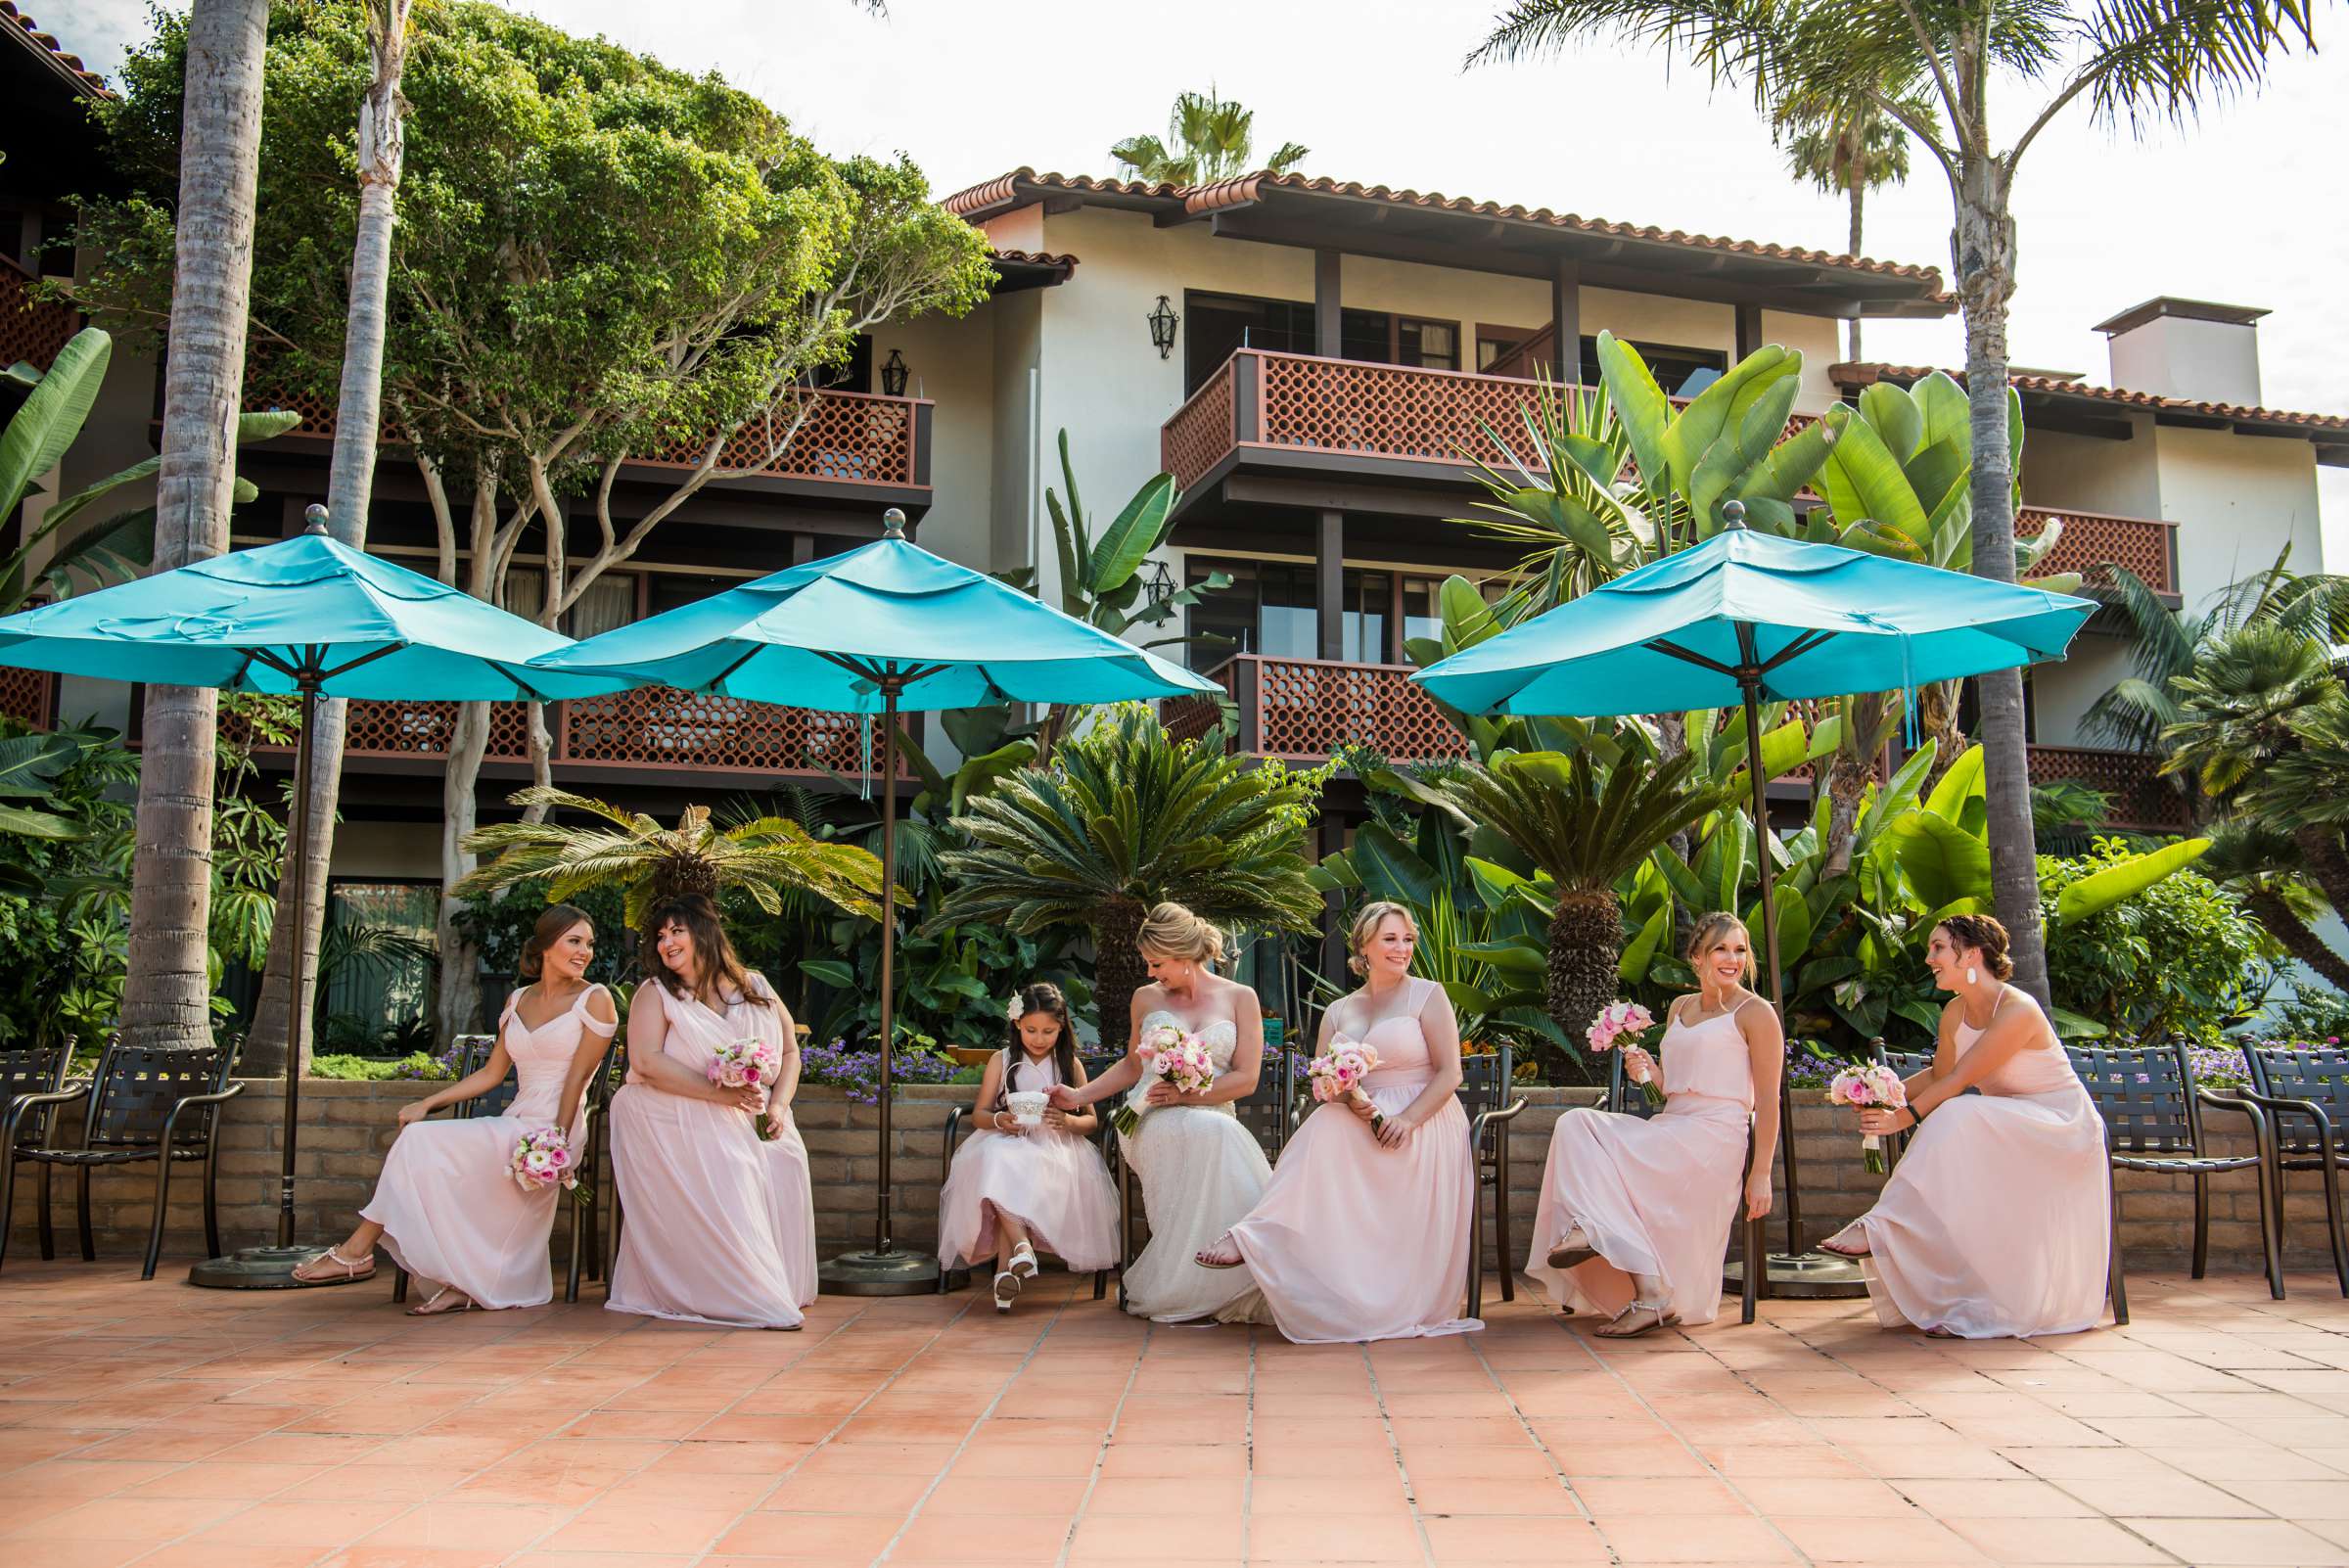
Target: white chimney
x=2190 y=348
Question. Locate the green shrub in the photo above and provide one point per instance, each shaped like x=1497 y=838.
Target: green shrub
x=2179 y=957
x=417 y=1066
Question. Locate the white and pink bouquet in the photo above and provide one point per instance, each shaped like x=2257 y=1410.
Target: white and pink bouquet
x=1874 y=1087
x=1338 y=1073
x=746 y=1063
x=1616 y=1020
x=542 y=1159
x=1182 y=1061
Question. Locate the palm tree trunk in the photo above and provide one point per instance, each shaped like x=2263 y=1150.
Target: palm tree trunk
x=1118 y=971
x=166 y=997
x=2276 y=916
x=1859 y=201
x=351 y=486
x=1985 y=258
x=1848 y=778
x=2327 y=867
x=1586 y=959
x=457 y=1007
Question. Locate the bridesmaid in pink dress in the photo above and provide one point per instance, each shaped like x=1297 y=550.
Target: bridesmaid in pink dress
x=1013 y=1189
x=1999 y=1220
x=1634 y=1215
x=446 y=1206
x=720 y=1227
x=1362 y=1233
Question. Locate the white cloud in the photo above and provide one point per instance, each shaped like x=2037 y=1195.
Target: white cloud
x=2242 y=207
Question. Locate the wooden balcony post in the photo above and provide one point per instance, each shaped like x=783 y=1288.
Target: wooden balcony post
x=920 y=453
x=1328 y=320
x=1565 y=323
x=1247 y=398
x=1247 y=689
x=1329 y=586
x=1749 y=331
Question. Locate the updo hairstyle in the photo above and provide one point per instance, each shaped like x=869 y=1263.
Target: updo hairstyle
x=1983 y=933
x=558 y=919
x=1173 y=931
x=1366 y=926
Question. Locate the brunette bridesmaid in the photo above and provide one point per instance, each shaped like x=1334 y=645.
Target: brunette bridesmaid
x=1999 y=1219
x=446 y=1206
x=1634 y=1215
x=719 y=1227
x=1364 y=1231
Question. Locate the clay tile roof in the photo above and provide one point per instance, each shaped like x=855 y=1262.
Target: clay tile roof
x=1060 y=261
x=1003 y=192
x=69 y=66
x=1859 y=375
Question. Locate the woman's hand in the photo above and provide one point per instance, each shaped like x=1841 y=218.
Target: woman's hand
x=1064 y=1098
x=1057 y=1120
x=1639 y=1067
x=751 y=1097
x=1008 y=1125
x=1164 y=1094
x=413 y=1112
x=1359 y=1104
x=1394 y=1132
x=1757 y=1196
x=1881 y=1120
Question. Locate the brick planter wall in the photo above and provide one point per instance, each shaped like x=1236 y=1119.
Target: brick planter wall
x=347 y=1126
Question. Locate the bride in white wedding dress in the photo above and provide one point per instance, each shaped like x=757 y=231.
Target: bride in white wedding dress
x=1200 y=1171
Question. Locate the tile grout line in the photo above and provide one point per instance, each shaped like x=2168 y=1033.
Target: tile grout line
x=1386 y=1424
x=1108 y=1436
x=1582 y=1510
x=1034 y=1349
x=1248 y=1449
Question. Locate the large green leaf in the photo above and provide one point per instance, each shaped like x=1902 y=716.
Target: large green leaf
x=1862 y=479
x=1961 y=783
x=37 y=824
x=2099 y=890
x=1941 y=860
x=37 y=436
x=1390 y=869
x=1893 y=414
x=1641 y=408
x=1641 y=952
x=1140 y=528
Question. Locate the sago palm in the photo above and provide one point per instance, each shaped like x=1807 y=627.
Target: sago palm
x=2130 y=61
x=764 y=856
x=1126 y=818
x=1209 y=138
x=1586 y=823
x=2261 y=867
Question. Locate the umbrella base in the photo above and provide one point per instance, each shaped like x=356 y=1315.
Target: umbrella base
x=879 y=1273
x=259 y=1269
x=1804 y=1276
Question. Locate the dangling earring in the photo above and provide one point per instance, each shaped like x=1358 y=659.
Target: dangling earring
x=1973 y=975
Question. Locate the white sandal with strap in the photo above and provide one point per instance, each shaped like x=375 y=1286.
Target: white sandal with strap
x=1023 y=1261
x=353 y=1269
x=1007 y=1290
x=432 y=1307
x=1659 y=1311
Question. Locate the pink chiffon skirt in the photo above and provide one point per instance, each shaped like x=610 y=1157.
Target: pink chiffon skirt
x=1997 y=1221
x=1657 y=1197
x=1355 y=1241
x=719 y=1227
x=451 y=1212
x=1055 y=1184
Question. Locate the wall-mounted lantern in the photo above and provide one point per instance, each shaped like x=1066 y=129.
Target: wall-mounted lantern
x=894 y=373
x=1162 y=327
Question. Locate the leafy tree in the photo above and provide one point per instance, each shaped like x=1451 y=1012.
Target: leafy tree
x=2262 y=866
x=1848 y=145
x=1209 y=138
x=1126 y=818
x=2179 y=956
x=598 y=259
x=2132 y=59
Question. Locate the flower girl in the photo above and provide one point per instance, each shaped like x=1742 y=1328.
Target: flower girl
x=1027 y=1176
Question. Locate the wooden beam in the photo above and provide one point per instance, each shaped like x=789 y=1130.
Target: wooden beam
x=1328 y=267
x=1330 y=585
x=1566 y=321
x=1749 y=329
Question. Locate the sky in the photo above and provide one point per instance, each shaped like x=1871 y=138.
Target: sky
x=2243 y=205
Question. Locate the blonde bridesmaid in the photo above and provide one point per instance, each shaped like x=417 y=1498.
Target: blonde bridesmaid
x=1363 y=1233
x=446 y=1206
x=720 y=1227
x=1634 y=1215
x=1999 y=1220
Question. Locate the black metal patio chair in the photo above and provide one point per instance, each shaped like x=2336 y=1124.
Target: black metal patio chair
x=141 y=1103
x=2307 y=1091
x=1908 y=1064
x=948 y=1278
x=1625 y=1098
x=1485 y=1083
x=2152 y=1110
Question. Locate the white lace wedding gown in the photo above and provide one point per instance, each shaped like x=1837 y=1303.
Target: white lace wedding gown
x=1201 y=1172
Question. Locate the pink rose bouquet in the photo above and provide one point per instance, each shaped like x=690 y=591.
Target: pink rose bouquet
x=543 y=1159
x=1338 y=1073
x=747 y=1063
x=1182 y=1060
x=1873 y=1086
x=1616 y=1020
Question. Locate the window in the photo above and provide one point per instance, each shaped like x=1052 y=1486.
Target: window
x=1270 y=610
x=1217 y=324
x=376 y=977
x=1681 y=371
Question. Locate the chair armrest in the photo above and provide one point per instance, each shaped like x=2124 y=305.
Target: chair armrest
x=946 y=1156
x=2282 y=1107
x=214 y=1097
x=1485 y=1120
x=27 y=1102
x=2262 y=1131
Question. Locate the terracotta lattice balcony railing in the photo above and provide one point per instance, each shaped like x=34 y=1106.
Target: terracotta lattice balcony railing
x=2092 y=540
x=31 y=329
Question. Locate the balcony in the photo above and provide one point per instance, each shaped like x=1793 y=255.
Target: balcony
x=1303 y=711
x=2094 y=540
x=31 y=329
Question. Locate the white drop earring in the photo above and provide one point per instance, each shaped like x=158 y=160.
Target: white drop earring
x=1973 y=975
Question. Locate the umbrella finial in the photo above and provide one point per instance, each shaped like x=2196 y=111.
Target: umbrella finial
x=893 y=522
x=317 y=518
x=1732 y=513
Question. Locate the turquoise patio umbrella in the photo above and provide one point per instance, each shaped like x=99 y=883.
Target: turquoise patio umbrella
x=883 y=628
x=308 y=616
x=1746 y=616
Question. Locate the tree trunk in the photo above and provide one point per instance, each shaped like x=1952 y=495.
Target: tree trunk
x=351 y=486
x=1985 y=258
x=1937 y=722
x=1118 y=971
x=1859 y=200
x=1586 y=959
x=460 y=998
x=543 y=756
x=2327 y=864
x=1848 y=778
x=167 y=995
x=2267 y=907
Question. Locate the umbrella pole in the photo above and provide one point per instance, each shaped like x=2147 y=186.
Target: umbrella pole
x=885 y=1271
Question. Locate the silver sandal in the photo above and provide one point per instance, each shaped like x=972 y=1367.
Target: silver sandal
x=1023 y=1261
x=432 y=1307
x=1007 y=1289
x=353 y=1269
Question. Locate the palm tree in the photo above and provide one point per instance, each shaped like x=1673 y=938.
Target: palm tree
x=166 y=998
x=1587 y=824
x=2132 y=59
x=1126 y=818
x=765 y=857
x=1847 y=144
x=1209 y=138
x=2260 y=865
x=349 y=487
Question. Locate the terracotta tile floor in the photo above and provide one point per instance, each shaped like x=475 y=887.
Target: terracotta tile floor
x=158 y=1425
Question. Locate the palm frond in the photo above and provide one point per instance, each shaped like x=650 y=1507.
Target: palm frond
x=2166 y=59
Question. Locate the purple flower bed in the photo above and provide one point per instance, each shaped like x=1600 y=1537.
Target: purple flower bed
x=857 y=1069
